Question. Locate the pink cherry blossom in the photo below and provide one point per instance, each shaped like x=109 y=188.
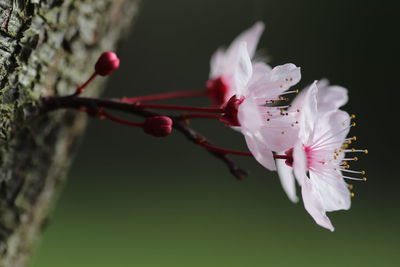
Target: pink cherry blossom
x=329 y=99
x=265 y=126
x=226 y=65
x=319 y=161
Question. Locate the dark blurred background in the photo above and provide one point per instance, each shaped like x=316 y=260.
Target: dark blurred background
x=134 y=200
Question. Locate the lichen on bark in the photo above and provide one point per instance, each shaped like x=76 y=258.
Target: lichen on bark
x=46 y=48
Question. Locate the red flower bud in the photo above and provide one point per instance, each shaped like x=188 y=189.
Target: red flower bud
x=107 y=63
x=231 y=110
x=159 y=126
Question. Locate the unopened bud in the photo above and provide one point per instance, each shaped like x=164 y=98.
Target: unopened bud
x=159 y=126
x=107 y=63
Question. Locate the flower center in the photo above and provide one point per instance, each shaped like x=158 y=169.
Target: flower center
x=218 y=89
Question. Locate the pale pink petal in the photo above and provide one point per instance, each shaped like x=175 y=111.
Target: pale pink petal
x=260 y=151
x=251 y=36
x=280 y=134
x=308 y=114
x=313 y=203
x=287 y=179
x=278 y=80
x=242 y=71
x=330 y=98
x=249 y=116
x=299 y=163
x=260 y=69
x=331 y=129
x=217 y=63
x=333 y=189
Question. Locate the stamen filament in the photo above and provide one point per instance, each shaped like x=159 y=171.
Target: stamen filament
x=356 y=179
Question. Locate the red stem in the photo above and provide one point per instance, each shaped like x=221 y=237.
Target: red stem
x=80 y=89
x=222 y=150
x=282 y=157
x=163 y=96
x=200 y=115
x=234 y=152
x=175 y=107
x=121 y=121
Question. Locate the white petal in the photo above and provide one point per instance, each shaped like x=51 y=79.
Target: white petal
x=333 y=190
x=242 y=71
x=308 y=114
x=287 y=179
x=249 y=116
x=250 y=121
x=331 y=129
x=280 y=134
x=222 y=59
x=260 y=151
x=217 y=63
x=278 y=80
x=314 y=204
x=260 y=69
x=330 y=98
x=299 y=163
x=251 y=36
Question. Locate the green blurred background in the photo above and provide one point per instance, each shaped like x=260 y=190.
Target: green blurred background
x=134 y=200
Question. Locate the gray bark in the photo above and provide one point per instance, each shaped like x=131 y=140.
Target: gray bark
x=46 y=48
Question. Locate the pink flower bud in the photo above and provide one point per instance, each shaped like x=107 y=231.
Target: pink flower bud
x=231 y=110
x=107 y=63
x=159 y=126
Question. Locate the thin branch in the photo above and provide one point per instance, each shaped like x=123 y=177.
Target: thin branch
x=54 y=103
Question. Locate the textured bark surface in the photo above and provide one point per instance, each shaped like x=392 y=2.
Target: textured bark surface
x=46 y=48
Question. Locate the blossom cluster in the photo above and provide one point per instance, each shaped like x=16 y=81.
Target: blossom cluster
x=305 y=141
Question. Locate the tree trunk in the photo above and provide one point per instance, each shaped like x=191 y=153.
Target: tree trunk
x=46 y=48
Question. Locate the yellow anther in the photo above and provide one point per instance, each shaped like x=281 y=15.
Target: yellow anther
x=353 y=149
x=352 y=194
x=354 y=138
x=366 y=151
x=364 y=179
x=350 y=186
x=363 y=172
x=353 y=116
x=355 y=158
x=353 y=124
